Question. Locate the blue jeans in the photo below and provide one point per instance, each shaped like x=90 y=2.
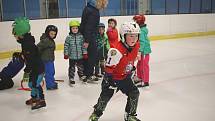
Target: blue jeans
x=49 y=74
x=37 y=90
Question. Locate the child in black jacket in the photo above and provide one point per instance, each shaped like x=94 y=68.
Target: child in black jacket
x=34 y=70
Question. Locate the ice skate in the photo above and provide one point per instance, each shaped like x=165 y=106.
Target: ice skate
x=93 y=117
x=146 y=84
x=71 y=82
x=53 y=87
x=82 y=78
x=30 y=101
x=92 y=79
x=99 y=75
x=40 y=103
x=128 y=117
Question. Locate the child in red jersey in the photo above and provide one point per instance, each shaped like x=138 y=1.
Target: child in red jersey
x=112 y=33
x=118 y=70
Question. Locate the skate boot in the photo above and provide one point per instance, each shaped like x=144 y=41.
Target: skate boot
x=93 y=117
x=136 y=80
x=98 y=75
x=128 y=117
x=39 y=104
x=82 y=78
x=90 y=79
x=95 y=78
x=146 y=84
x=30 y=101
x=71 y=82
x=55 y=87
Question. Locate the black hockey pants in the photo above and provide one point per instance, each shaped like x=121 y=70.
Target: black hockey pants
x=126 y=86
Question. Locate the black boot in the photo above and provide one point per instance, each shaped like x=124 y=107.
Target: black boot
x=39 y=104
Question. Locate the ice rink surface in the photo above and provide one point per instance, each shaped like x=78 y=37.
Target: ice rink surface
x=182 y=88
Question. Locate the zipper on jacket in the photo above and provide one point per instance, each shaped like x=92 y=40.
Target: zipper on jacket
x=76 y=48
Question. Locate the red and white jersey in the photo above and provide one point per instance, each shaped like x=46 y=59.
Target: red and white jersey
x=120 y=61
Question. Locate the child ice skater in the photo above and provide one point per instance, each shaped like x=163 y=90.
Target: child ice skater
x=34 y=70
x=74 y=51
x=112 y=32
x=46 y=48
x=145 y=49
x=10 y=71
x=118 y=70
x=102 y=47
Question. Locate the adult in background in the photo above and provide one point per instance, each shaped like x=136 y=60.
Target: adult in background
x=89 y=22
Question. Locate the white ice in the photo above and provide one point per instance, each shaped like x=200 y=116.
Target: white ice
x=182 y=88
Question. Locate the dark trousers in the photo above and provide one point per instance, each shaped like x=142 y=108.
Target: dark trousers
x=92 y=57
x=127 y=87
x=99 y=66
x=34 y=84
x=72 y=64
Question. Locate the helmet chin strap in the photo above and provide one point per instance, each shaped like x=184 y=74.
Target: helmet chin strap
x=129 y=48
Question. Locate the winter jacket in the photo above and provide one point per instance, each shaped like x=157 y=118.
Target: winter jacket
x=13 y=68
x=112 y=37
x=31 y=55
x=120 y=61
x=102 y=45
x=46 y=48
x=145 y=47
x=73 y=46
x=89 y=21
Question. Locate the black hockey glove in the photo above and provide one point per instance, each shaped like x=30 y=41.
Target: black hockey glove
x=17 y=56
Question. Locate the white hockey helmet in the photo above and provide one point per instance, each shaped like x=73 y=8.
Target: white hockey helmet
x=128 y=28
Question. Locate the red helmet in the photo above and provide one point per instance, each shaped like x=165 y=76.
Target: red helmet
x=140 y=19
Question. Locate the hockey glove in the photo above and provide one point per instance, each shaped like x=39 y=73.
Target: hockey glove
x=66 y=57
x=85 y=56
x=17 y=56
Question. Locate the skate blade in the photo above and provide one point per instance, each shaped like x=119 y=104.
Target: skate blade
x=72 y=85
x=84 y=83
x=38 y=110
x=93 y=82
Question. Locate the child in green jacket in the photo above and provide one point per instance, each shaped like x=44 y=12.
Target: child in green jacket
x=145 y=49
x=102 y=48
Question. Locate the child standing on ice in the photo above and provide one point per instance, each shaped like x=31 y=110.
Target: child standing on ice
x=102 y=48
x=75 y=51
x=145 y=49
x=46 y=48
x=112 y=32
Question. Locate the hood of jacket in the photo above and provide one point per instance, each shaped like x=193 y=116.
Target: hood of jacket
x=92 y=3
x=43 y=36
x=28 y=38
